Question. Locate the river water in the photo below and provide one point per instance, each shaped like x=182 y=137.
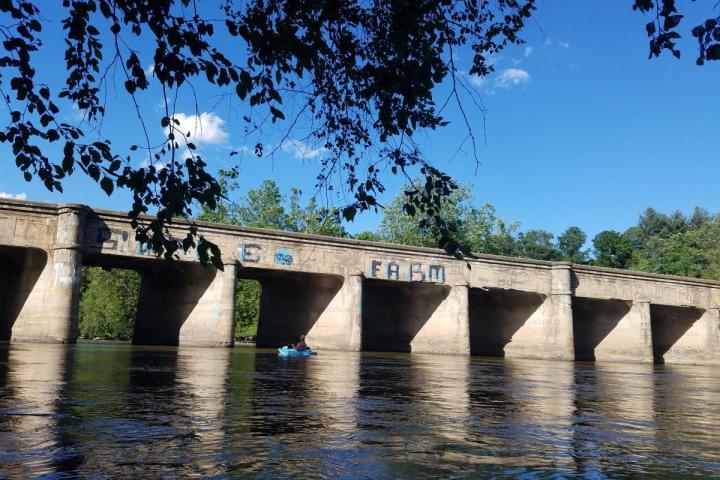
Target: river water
x=113 y=410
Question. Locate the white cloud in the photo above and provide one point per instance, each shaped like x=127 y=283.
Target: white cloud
x=155 y=163
x=150 y=70
x=205 y=129
x=301 y=150
x=16 y=196
x=76 y=115
x=528 y=51
x=476 y=80
x=549 y=42
x=246 y=150
x=511 y=77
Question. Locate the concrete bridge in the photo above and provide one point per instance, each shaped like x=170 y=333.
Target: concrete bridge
x=351 y=295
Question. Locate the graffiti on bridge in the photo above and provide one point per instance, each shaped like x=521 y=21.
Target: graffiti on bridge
x=411 y=272
x=252 y=252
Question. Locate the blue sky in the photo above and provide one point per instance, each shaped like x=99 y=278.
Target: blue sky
x=581 y=128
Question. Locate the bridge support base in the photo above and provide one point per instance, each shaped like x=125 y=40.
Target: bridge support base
x=631 y=339
x=548 y=333
x=186 y=305
x=339 y=327
x=50 y=310
x=711 y=323
x=686 y=335
x=447 y=330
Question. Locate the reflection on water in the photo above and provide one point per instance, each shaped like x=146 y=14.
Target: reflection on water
x=108 y=410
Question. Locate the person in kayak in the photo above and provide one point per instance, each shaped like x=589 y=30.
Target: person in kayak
x=301 y=346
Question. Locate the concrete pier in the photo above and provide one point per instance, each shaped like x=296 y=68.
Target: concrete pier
x=46 y=303
x=351 y=295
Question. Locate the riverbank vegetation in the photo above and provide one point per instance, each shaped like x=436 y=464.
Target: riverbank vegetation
x=675 y=244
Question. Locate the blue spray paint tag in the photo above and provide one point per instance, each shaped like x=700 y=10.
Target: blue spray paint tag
x=283 y=256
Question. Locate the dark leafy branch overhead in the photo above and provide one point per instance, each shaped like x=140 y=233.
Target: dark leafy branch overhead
x=364 y=73
x=664 y=35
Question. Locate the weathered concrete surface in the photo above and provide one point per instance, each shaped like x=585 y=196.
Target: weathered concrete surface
x=678 y=334
x=612 y=330
x=351 y=295
x=295 y=304
x=46 y=304
x=505 y=322
x=20 y=269
x=186 y=305
x=447 y=330
x=394 y=314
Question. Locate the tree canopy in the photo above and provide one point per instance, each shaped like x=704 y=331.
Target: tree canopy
x=363 y=72
x=108 y=302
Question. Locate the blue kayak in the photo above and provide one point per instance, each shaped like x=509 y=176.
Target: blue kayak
x=291 y=352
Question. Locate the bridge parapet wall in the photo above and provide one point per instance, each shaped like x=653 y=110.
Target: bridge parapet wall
x=613 y=284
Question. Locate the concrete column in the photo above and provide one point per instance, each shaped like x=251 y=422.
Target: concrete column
x=711 y=322
x=642 y=320
x=212 y=322
x=353 y=300
x=186 y=304
x=631 y=339
x=51 y=310
x=447 y=331
x=558 y=324
x=339 y=325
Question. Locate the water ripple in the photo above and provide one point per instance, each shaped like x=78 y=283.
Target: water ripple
x=118 y=411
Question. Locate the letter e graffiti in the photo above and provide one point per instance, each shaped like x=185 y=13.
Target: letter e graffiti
x=393 y=271
x=375 y=268
x=415 y=273
x=250 y=253
x=436 y=273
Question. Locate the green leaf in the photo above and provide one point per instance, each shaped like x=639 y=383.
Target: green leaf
x=114 y=165
x=650 y=28
x=276 y=113
x=672 y=21
x=107 y=185
x=67 y=163
x=713 y=52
